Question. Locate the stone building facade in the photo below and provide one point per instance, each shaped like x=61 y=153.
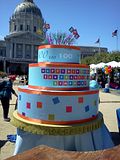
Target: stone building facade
x=25 y=35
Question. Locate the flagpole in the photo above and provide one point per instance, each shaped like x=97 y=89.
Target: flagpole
x=115 y=34
x=99 y=46
x=117 y=41
x=98 y=42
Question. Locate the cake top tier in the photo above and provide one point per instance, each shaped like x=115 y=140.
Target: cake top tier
x=59 y=53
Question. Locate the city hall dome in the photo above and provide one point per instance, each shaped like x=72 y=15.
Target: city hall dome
x=27 y=6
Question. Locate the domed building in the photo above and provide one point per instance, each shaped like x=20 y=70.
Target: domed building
x=25 y=35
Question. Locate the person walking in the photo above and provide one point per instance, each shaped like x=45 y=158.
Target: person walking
x=6 y=95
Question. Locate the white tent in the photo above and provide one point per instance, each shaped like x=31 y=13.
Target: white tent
x=113 y=64
x=93 y=66
x=100 y=65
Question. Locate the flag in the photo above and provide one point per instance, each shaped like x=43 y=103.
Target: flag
x=98 y=41
x=74 y=32
x=47 y=26
x=114 y=33
x=71 y=29
x=77 y=36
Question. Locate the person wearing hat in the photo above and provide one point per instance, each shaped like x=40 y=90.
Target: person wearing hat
x=6 y=92
x=93 y=83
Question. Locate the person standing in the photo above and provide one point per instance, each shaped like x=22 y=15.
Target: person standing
x=93 y=83
x=6 y=96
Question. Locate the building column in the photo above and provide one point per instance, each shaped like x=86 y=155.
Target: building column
x=4 y=64
x=32 y=52
x=11 y=51
x=23 y=51
x=14 y=50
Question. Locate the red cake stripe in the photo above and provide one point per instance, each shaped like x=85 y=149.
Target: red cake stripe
x=59 y=89
x=58 y=64
x=64 y=93
x=58 y=46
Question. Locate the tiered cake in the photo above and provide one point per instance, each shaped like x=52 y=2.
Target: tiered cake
x=58 y=88
x=59 y=108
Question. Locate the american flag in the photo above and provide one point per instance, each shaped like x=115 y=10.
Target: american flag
x=114 y=33
x=98 y=40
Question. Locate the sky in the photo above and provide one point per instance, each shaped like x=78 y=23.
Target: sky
x=93 y=19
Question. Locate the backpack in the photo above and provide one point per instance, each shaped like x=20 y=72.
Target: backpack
x=2 y=86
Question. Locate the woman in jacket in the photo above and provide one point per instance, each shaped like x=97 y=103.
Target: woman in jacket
x=7 y=92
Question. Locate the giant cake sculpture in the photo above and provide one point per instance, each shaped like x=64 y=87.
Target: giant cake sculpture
x=59 y=103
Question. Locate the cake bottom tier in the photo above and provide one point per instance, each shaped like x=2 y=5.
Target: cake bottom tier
x=81 y=137
x=57 y=107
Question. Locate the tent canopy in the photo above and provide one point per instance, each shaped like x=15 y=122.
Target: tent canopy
x=113 y=64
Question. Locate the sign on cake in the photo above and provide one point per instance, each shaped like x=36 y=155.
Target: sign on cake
x=67 y=54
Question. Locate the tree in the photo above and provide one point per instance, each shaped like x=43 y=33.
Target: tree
x=103 y=57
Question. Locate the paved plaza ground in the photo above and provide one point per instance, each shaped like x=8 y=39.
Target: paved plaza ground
x=108 y=105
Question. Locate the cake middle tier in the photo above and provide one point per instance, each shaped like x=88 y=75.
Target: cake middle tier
x=59 y=76
x=57 y=107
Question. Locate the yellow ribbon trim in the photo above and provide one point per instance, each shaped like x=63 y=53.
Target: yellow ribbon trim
x=63 y=130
